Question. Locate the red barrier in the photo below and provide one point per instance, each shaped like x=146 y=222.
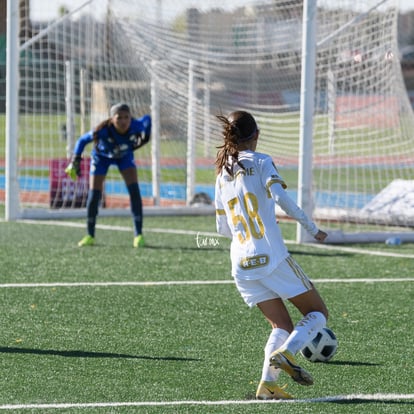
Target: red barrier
x=65 y=193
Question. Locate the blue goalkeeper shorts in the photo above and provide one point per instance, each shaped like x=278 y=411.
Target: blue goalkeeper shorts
x=100 y=165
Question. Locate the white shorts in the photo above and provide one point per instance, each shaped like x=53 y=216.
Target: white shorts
x=286 y=281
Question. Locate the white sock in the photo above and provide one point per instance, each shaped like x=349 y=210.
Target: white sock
x=276 y=339
x=304 y=331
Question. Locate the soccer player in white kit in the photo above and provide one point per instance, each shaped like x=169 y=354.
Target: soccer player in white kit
x=248 y=187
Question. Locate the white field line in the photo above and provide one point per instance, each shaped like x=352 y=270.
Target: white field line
x=213 y=234
x=121 y=228
x=339 y=398
x=186 y=282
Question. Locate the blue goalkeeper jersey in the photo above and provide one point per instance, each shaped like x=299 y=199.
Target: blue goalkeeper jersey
x=111 y=144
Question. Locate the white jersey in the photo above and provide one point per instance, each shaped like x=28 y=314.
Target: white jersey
x=245 y=211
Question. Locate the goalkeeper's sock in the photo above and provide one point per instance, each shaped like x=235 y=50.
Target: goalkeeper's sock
x=136 y=207
x=304 y=331
x=92 y=203
x=276 y=339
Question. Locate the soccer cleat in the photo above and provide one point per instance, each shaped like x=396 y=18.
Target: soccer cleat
x=286 y=361
x=139 y=241
x=87 y=241
x=268 y=390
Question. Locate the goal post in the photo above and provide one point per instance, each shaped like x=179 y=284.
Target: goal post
x=306 y=114
x=329 y=99
x=12 y=205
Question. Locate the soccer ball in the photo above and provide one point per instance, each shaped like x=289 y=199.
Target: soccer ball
x=322 y=348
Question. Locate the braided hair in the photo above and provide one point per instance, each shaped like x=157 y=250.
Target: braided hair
x=239 y=127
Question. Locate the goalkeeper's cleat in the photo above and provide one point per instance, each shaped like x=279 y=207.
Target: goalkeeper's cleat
x=139 y=241
x=87 y=241
x=286 y=361
x=269 y=390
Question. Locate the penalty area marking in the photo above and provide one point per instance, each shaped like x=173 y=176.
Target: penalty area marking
x=340 y=398
x=186 y=282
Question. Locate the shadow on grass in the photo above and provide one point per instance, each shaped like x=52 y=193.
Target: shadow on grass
x=184 y=248
x=295 y=252
x=202 y=246
x=382 y=401
x=88 y=354
x=351 y=399
x=352 y=363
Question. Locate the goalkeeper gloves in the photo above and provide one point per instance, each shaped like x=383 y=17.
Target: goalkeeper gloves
x=144 y=136
x=139 y=140
x=73 y=170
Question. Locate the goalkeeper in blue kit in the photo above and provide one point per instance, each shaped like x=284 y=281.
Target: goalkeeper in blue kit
x=114 y=142
x=248 y=187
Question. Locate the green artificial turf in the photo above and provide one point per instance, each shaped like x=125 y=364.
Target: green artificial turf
x=184 y=341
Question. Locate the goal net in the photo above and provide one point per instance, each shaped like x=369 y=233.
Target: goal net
x=185 y=62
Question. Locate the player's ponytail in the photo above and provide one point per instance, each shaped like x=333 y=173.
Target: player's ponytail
x=238 y=128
